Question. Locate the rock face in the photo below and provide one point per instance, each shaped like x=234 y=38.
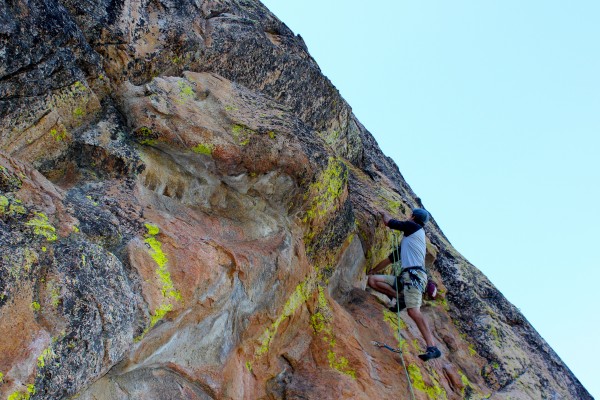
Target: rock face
x=187 y=210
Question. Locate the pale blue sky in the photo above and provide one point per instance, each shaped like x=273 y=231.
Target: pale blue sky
x=491 y=109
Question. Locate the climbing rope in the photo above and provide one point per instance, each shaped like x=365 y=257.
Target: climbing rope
x=395 y=265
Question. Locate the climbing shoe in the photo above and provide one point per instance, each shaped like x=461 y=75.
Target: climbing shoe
x=432 y=352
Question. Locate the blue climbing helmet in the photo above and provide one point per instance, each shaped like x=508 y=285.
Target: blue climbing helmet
x=420 y=215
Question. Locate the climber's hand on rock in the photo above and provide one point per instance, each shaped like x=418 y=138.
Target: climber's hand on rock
x=385 y=216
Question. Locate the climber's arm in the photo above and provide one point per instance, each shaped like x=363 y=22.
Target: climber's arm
x=379 y=267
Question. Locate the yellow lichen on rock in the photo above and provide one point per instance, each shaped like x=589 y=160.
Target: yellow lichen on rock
x=46 y=355
x=23 y=395
x=392 y=320
x=323 y=198
x=41 y=226
x=54 y=293
x=300 y=295
x=242 y=134
x=330 y=137
x=202 y=148
x=433 y=392
x=322 y=323
x=73 y=103
x=163 y=275
x=391 y=202
x=186 y=92
x=464 y=380
x=340 y=364
x=3 y=204
x=327 y=189
x=58 y=135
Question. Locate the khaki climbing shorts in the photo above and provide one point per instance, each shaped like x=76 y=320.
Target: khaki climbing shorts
x=413 y=297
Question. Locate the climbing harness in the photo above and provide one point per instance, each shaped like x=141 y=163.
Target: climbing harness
x=395 y=244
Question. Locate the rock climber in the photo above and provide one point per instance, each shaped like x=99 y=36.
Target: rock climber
x=412 y=278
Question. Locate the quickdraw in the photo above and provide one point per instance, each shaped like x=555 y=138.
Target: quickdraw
x=385 y=346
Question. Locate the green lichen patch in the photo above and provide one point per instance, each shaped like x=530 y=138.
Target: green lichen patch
x=59 y=135
x=327 y=189
x=318 y=322
x=435 y=392
x=340 y=364
x=330 y=137
x=242 y=134
x=145 y=135
x=157 y=254
x=392 y=320
x=299 y=297
x=186 y=92
x=322 y=323
x=8 y=181
x=323 y=196
x=163 y=275
x=42 y=227
x=168 y=289
x=417 y=346
x=54 y=290
x=472 y=350
x=47 y=355
x=3 y=204
x=153 y=230
x=78 y=112
x=495 y=335
x=465 y=381
x=92 y=200
x=79 y=86
x=75 y=100
x=322 y=317
x=35 y=306
x=205 y=149
x=160 y=313
x=19 y=263
x=16 y=209
x=144 y=131
x=11 y=207
x=391 y=201
x=23 y=395
x=442 y=301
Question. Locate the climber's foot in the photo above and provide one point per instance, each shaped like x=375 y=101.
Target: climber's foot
x=432 y=352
